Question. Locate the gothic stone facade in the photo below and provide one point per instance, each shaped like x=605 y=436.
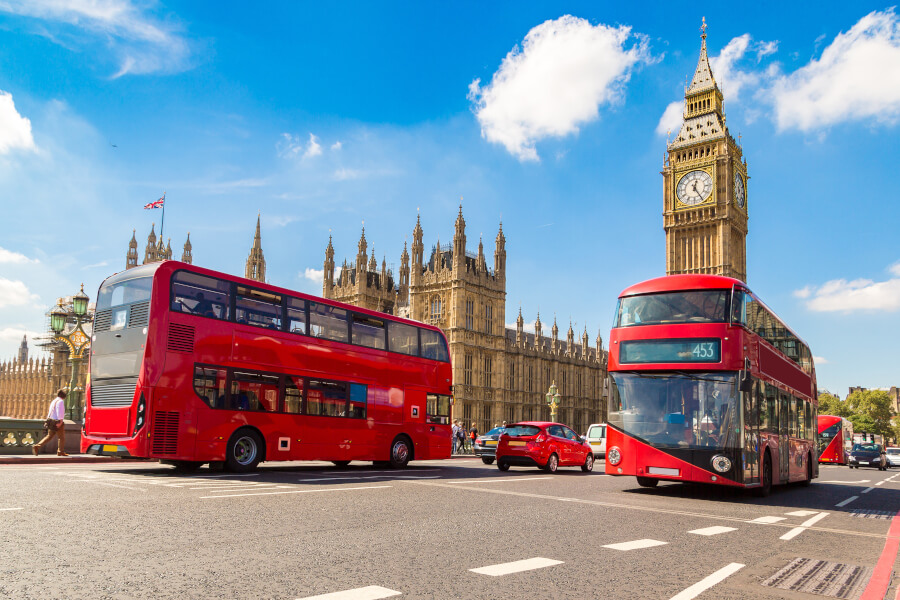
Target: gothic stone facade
x=499 y=374
x=705 y=209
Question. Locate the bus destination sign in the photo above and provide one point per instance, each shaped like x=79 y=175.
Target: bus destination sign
x=671 y=351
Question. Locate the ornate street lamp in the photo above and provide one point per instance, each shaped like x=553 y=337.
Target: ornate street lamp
x=76 y=340
x=553 y=399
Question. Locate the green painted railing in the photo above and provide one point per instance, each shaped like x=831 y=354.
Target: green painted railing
x=17 y=436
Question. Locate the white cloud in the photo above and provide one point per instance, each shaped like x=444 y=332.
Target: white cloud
x=102 y=263
x=10 y=336
x=563 y=72
x=840 y=295
x=344 y=174
x=337 y=146
x=764 y=49
x=314 y=275
x=15 y=293
x=140 y=43
x=856 y=78
x=672 y=119
x=15 y=130
x=313 y=149
x=290 y=146
x=15 y=258
x=820 y=360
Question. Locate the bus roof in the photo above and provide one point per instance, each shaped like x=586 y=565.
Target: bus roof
x=674 y=283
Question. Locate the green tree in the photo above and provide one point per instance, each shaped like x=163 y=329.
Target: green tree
x=871 y=412
x=832 y=405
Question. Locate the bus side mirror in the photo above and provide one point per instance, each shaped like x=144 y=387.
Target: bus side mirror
x=746 y=378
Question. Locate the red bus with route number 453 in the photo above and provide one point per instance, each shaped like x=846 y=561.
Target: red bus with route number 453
x=708 y=385
x=191 y=366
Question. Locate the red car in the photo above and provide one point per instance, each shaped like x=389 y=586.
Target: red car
x=544 y=445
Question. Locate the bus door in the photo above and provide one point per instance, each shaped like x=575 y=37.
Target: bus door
x=784 y=438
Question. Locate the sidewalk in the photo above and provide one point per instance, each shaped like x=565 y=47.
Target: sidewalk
x=52 y=459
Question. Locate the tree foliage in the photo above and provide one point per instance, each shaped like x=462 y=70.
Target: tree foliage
x=870 y=411
x=832 y=405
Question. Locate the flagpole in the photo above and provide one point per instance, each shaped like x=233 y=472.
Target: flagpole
x=162 y=222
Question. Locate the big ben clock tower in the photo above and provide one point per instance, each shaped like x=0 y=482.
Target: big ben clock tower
x=705 y=186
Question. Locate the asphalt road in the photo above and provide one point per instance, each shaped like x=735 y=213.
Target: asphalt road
x=438 y=529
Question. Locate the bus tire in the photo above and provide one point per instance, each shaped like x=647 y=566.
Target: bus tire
x=401 y=452
x=808 y=479
x=341 y=464
x=244 y=451
x=487 y=460
x=648 y=482
x=765 y=488
x=185 y=466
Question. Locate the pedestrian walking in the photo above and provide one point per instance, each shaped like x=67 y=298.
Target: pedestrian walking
x=461 y=439
x=473 y=435
x=455 y=434
x=55 y=425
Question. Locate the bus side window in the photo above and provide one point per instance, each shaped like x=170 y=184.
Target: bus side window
x=296 y=315
x=403 y=338
x=209 y=384
x=358 y=394
x=328 y=322
x=257 y=308
x=293 y=394
x=433 y=345
x=368 y=331
x=437 y=409
x=200 y=295
x=327 y=398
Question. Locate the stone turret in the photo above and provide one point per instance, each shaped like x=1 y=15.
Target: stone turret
x=150 y=252
x=500 y=255
x=131 y=259
x=520 y=329
x=570 y=341
x=186 y=255
x=328 y=275
x=256 y=262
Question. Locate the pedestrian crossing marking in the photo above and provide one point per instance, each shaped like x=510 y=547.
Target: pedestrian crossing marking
x=802 y=513
x=716 y=530
x=635 y=545
x=516 y=566
x=371 y=592
x=767 y=520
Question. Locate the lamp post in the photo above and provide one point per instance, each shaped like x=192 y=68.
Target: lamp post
x=553 y=398
x=76 y=340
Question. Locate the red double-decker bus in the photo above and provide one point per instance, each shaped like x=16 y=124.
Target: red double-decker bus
x=835 y=439
x=708 y=385
x=192 y=366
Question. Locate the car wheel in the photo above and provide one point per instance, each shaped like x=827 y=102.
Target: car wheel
x=647 y=482
x=401 y=452
x=503 y=466
x=244 y=451
x=588 y=465
x=766 y=488
x=487 y=460
x=552 y=463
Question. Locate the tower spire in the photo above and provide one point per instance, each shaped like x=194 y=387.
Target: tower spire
x=256 y=262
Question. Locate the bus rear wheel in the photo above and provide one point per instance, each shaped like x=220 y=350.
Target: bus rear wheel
x=401 y=452
x=244 y=451
x=649 y=482
x=765 y=487
x=808 y=479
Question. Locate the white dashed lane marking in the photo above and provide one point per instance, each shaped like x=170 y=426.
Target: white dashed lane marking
x=372 y=592
x=346 y=489
x=867 y=490
x=10 y=509
x=716 y=530
x=767 y=520
x=843 y=503
x=707 y=582
x=635 y=545
x=518 y=566
x=803 y=527
x=802 y=513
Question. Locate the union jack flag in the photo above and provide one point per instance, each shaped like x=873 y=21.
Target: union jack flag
x=157 y=203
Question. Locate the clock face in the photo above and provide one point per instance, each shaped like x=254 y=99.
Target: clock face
x=694 y=188
x=739 y=195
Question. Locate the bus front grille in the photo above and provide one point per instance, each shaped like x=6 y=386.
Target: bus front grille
x=165 y=432
x=116 y=393
x=181 y=338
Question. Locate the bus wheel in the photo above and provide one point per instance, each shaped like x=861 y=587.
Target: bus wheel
x=244 y=451
x=552 y=463
x=487 y=460
x=766 y=488
x=808 y=479
x=588 y=465
x=401 y=452
x=647 y=482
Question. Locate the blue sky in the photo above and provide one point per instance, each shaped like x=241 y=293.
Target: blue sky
x=549 y=116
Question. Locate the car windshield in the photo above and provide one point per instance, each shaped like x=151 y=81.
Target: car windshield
x=893 y=450
x=866 y=448
x=677 y=409
x=595 y=432
x=496 y=431
x=522 y=430
x=700 y=306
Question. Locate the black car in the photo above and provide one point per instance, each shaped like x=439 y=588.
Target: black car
x=486 y=445
x=868 y=455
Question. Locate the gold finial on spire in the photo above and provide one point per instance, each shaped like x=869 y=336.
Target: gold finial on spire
x=703 y=28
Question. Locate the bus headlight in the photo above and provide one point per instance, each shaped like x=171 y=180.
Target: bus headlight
x=721 y=463
x=614 y=456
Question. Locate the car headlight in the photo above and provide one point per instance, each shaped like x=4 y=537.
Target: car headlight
x=721 y=463
x=614 y=456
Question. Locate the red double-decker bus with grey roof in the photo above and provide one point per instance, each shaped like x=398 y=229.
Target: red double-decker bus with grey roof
x=835 y=439
x=193 y=366
x=708 y=385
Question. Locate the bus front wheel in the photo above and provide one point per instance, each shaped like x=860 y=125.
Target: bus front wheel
x=244 y=451
x=765 y=487
x=649 y=482
x=401 y=452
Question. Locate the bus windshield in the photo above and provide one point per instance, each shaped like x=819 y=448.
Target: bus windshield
x=699 y=306
x=677 y=410
x=124 y=292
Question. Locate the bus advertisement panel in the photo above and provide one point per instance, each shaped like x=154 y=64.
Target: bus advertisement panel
x=191 y=366
x=708 y=385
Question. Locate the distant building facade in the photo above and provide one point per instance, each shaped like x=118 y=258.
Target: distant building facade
x=499 y=374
